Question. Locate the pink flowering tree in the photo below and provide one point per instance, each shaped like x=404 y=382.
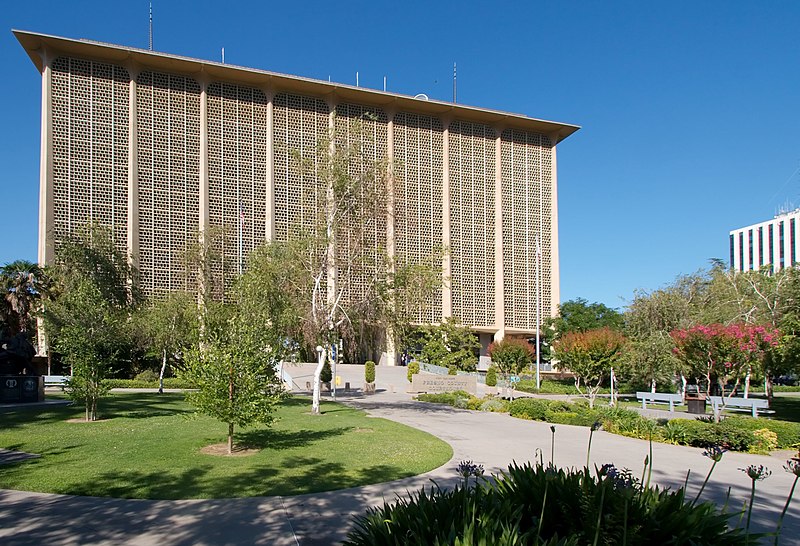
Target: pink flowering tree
x=753 y=343
x=708 y=352
x=715 y=352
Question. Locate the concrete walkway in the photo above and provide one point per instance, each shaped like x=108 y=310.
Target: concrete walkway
x=493 y=440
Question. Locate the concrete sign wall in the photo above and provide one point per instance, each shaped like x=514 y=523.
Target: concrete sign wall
x=444 y=383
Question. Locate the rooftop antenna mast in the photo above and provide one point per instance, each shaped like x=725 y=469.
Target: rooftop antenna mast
x=454 y=82
x=151 y=26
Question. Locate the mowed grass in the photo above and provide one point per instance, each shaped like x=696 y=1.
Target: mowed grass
x=148 y=446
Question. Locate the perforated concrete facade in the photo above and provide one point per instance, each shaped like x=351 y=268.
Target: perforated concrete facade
x=160 y=147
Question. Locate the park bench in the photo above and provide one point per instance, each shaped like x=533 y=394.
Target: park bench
x=739 y=404
x=659 y=398
x=56 y=381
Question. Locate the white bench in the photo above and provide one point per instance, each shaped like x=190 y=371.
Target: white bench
x=719 y=403
x=56 y=381
x=659 y=397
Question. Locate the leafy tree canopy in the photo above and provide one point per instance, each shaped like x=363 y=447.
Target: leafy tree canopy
x=579 y=315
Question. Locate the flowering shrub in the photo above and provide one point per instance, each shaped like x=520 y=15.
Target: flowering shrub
x=764 y=441
x=511 y=355
x=590 y=356
x=721 y=353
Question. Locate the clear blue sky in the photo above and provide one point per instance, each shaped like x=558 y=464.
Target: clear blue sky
x=690 y=111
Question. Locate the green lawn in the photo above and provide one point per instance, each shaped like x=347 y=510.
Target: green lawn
x=149 y=447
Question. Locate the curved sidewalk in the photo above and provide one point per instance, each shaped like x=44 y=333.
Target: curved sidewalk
x=493 y=440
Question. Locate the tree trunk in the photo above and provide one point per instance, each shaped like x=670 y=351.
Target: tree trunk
x=683 y=385
x=161 y=375
x=317 y=372
x=653 y=385
x=230 y=438
x=391 y=347
x=747 y=383
x=768 y=391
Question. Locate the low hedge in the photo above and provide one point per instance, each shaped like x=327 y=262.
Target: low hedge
x=169 y=383
x=563 y=386
x=465 y=400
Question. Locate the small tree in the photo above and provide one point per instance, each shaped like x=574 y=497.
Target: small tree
x=88 y=316
x=709 y=351
x=413 y=369
x=449 y=344
x=512 y=355
x=650 y=360
x=590 y=356
x=327 y=374
x=491 y=377
x=88 y=340
x=170 y=328
x=369 y=371
x=234 y=378
x=235 y=369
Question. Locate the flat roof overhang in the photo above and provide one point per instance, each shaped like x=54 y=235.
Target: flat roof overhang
x=35 y=44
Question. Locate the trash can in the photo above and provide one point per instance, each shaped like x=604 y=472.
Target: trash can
x=696 y=405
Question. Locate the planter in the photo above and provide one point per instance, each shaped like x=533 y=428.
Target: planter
x=325 y=386
x=491 y=390
x=369 y=388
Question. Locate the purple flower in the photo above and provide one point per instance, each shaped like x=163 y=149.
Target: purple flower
x=757 y=473
x=714 y=452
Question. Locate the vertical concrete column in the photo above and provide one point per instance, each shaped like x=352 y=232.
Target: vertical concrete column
x=203 y=288
x=757 y=249
x=555 y=271
x=133 y=170
x=787 y=239
x=737 y=250
x=776 y=246
x=389 y=357
x=390 y=197
x=46 y=251
x=447 y=299
x=46 y=246
x=333 y=271
x=269 y=198
x=499 y=286
x=204 y=215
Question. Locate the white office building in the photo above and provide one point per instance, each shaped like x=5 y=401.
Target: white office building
x=772 y=244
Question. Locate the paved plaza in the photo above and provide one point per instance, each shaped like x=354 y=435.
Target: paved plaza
x=493 y=440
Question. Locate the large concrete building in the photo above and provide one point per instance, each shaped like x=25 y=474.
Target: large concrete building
x=772 y=243
x=159 y=147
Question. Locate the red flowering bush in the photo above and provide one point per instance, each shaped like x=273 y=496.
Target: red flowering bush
x=722 y=353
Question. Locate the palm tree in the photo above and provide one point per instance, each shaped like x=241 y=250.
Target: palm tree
x=23 y=285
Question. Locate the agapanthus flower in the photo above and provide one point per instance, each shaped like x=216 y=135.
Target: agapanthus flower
x=757 y=473
x=714 y=452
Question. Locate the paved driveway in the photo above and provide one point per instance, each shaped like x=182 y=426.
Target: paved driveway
x=490 y=439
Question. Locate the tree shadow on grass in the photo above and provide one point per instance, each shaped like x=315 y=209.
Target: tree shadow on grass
x=143 y=405
x=11 y=419
x=321 y=475
x=302 y=475
x=787 y=408
x=279 y=440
